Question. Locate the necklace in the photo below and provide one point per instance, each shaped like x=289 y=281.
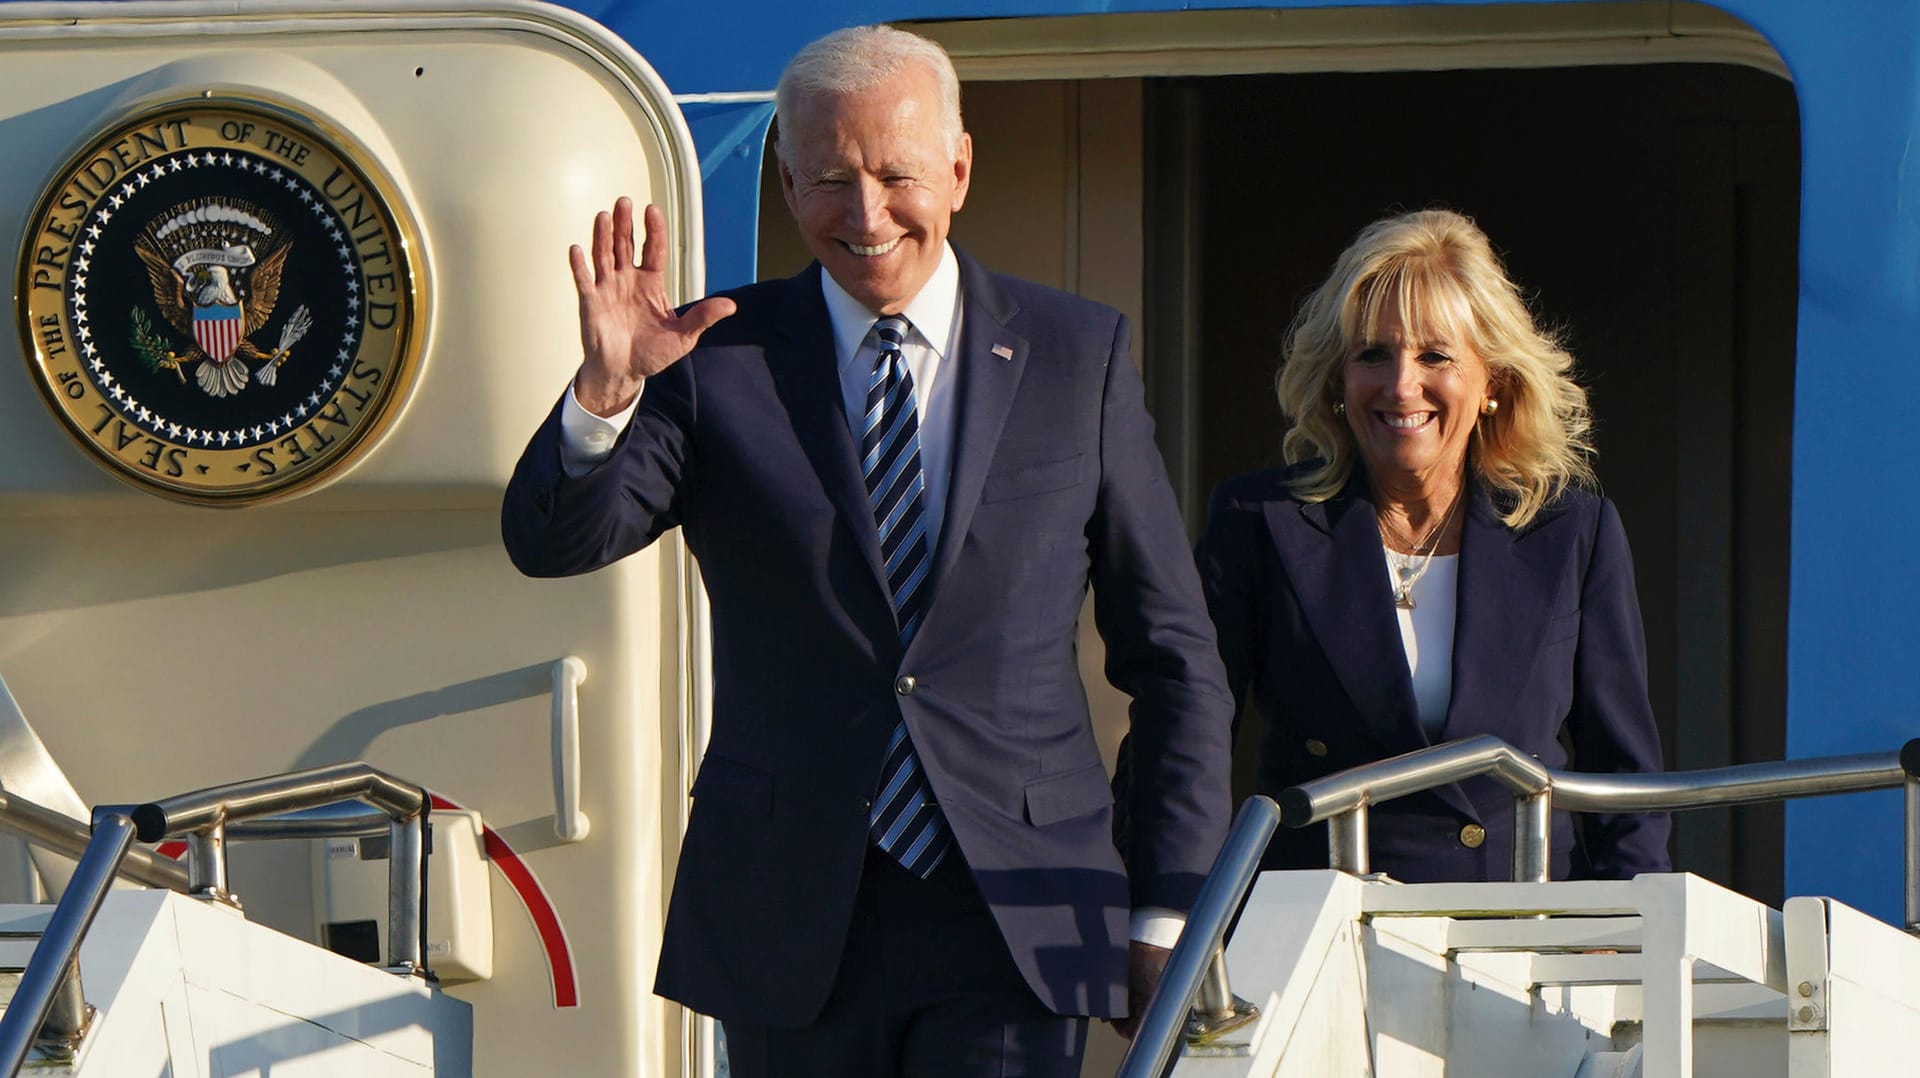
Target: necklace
x=1409 y=568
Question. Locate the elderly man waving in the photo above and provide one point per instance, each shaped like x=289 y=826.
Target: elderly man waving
x=900 y=472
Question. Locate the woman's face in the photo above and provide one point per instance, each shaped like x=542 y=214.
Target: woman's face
x=1412 y=404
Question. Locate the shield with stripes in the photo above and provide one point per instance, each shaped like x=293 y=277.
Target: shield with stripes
x=217 y=328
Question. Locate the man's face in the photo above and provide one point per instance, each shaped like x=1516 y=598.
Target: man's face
x=874 y=185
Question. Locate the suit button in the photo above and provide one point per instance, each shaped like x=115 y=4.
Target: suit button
x=905 y=685
x=1472 y=835
x=1316 y=747
x=866 y=807
x=543 y=501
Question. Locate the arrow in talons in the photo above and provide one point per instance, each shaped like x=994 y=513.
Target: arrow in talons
x=290 y=334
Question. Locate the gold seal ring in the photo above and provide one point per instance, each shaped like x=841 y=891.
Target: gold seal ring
x=217 y=298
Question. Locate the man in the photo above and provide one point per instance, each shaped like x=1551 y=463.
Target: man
x=900 y=473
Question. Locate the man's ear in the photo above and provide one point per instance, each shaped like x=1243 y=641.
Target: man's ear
x=962 y=171
x=786 y=189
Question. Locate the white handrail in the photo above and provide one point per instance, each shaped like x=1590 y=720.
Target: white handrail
x=569 y=822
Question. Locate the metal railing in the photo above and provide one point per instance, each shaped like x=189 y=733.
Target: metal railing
x=1344 y=804
x=1342 y=800
x=63 y=834
x=1197 y=962
x=48 y=1006
x=48 y=1009
x=52 y=1007
x=202 y=818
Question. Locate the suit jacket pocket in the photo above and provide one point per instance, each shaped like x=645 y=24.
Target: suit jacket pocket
x=742 y=787
x=1064 y=796
x=1031 y=479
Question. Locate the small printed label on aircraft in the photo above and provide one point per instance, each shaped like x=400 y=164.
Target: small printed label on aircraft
x=217 y=299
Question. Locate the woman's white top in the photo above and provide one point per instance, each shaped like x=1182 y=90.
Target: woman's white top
x=1426 y=632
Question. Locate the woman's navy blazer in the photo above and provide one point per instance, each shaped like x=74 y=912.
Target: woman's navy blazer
x=1548 y=654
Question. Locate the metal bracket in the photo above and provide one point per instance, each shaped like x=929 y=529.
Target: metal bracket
x=1204 y=1032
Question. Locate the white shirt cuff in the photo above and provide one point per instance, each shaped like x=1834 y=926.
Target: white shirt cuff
x=1158 y=926
x=586 y=439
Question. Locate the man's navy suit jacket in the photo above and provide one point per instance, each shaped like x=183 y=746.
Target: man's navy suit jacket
x=1547 y=645
x=1056 y=484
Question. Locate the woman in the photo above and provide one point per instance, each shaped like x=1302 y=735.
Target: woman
x=1429 y=566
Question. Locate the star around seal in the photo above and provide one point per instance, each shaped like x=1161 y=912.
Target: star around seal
x=219 y=302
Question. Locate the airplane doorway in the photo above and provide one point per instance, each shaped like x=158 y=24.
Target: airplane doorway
x=1650 y=212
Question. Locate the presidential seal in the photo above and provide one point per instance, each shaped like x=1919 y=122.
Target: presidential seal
x=218 y=301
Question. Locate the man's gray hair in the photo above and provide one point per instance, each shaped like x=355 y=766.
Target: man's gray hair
x=848 y=61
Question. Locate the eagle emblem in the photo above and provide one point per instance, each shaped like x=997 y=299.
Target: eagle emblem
x=219 y=301
x=215 y=265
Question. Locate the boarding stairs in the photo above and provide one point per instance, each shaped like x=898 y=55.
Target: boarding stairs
x=1344 y=972
x=148 y=968
x=1335 y=973
x=178 y=987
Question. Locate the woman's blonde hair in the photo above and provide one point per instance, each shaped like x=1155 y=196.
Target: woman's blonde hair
x=1440 y=271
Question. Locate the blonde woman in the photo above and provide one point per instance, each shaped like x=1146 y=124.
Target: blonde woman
x=1431 y=565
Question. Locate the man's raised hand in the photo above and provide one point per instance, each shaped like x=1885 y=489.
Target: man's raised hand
x=628 y=329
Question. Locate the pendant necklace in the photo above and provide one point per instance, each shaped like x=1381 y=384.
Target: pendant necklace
x=1409 y=568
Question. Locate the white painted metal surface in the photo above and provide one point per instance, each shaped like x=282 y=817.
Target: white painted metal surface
x=192 y=990
x=1854 y=993
x=1663 y=976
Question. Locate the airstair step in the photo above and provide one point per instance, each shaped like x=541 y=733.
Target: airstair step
x=17 y=950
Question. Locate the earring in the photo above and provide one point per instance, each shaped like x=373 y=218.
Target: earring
x=1489 y=407
x=1339 y=407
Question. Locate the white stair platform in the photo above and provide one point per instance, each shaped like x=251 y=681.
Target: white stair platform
x=1663 y=976
x=188 y=989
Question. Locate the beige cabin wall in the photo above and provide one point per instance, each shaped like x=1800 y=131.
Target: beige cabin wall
x=169 y=649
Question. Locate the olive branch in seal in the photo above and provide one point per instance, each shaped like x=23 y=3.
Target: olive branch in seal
x=153 y=347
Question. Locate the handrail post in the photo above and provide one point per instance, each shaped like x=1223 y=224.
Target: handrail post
x=1347 y=841
x=406 y=921
x=69 y=1017
x=1215 y=996
x=1532 y=836
x=56 y=959
x=1156 y=1037
x=207 y=865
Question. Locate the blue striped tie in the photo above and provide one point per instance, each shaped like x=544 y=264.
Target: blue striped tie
x=905 y=820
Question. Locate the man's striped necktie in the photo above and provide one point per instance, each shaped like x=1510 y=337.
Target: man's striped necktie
x=905 y=820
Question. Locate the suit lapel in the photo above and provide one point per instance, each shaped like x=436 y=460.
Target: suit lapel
x=806 y=374
x=987 y=370
x=1504 y=597
x=1332 y=551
